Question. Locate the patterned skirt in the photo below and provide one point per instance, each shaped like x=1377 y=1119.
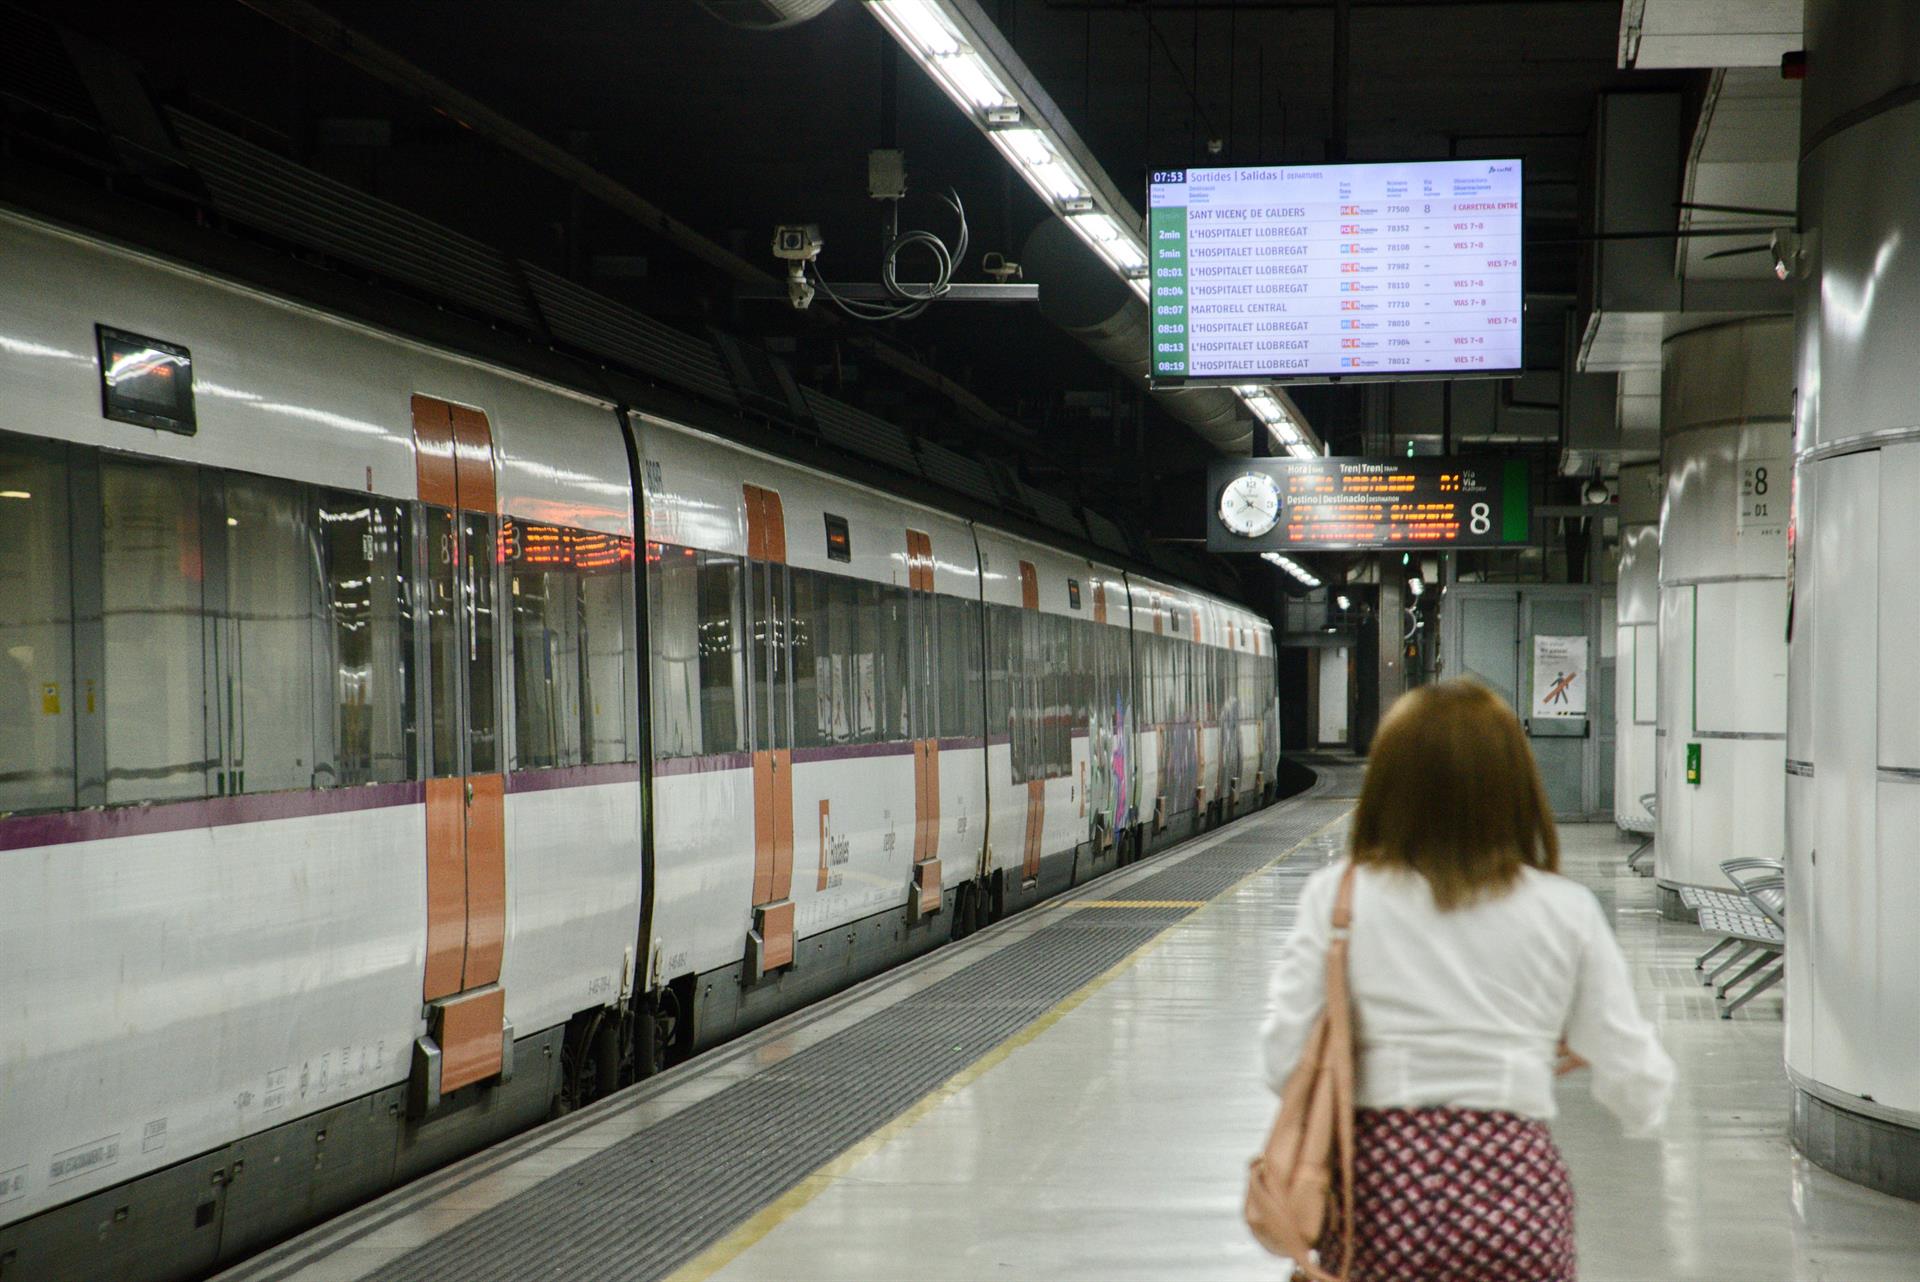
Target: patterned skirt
x=1456 y=1195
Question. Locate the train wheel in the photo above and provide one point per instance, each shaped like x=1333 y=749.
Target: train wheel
x=963 y=911
x=998 y=898
x=658 y=1032
x=589 y=1059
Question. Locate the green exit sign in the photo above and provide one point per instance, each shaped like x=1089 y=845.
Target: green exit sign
x=1693 y=764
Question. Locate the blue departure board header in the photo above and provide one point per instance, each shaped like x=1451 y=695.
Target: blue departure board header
x=1320 y=272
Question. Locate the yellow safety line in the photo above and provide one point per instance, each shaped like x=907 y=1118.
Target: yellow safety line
x=770 y=1217
x=1138 y=903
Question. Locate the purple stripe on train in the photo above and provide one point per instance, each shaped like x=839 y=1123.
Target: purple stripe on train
x=23 y=832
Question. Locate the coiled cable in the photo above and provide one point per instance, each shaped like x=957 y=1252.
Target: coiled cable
x=910 y=298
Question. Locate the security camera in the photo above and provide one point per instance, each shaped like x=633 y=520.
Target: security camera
x=797 y=242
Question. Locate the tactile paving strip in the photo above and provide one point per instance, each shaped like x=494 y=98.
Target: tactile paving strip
x=652 y=1202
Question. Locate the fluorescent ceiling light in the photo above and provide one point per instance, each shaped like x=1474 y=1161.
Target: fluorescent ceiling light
x=1054 y=179
x=920 y=26
x=1097 y=226
x=1028 y=146
x=1291 y=567
x=969 y=75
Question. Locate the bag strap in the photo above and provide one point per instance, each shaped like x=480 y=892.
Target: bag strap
x=1343 y=899
x=1342 y=1011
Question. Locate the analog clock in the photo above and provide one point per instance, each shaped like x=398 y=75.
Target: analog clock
x=1250 y=504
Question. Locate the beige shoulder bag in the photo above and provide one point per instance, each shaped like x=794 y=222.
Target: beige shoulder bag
x=1290 y=1189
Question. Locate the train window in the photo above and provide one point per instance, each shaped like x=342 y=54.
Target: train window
x=958 y=629
x=893 y=647
x=605 y=566
x=263 y=646
x=723 y=685
x=483 y=643
x=673 y=625
x=154 y=684
x=38 y=703
x=850 y=655
x=1153 y=681
x=999 y=655
x=443 y=648
x=369 y=727
x=1022 y=648
x=145 y=382
x=1160 y=713
x=870 y=703
x=697 y=649
x=812 y=666
x=549 y=646
x=1084 y=670
x=1060 y=676
x=567 y=595
x=830 y=611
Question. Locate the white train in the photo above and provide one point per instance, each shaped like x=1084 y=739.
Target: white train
x=346 y=821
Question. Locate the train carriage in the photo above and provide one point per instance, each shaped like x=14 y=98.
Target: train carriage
x=815 y=695
x=396 y=748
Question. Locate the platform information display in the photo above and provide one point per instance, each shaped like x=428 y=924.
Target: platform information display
x=1323 y=272
x=1350 y=503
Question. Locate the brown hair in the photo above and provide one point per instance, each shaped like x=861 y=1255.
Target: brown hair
x=1452 y=793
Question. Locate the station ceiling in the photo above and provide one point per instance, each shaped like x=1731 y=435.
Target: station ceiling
x=731 y=130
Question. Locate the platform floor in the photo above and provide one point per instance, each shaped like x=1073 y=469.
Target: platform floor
x=1104 y=1134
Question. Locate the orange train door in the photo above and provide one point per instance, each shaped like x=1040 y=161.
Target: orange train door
x=1035 y=708
x=465 y=789
x=769 y=613
x=922 y=709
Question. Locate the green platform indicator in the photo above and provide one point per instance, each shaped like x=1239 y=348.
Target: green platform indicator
x=1693 y=764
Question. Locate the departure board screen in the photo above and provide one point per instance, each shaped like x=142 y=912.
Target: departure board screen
x=1326 y=272
x=1347 y=503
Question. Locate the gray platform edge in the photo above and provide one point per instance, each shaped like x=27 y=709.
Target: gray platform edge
x=652 y=1202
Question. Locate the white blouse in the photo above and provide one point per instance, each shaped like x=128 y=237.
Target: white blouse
x=1466 y=1008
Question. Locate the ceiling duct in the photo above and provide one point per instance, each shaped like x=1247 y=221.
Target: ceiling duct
x=1082 y=296
x=765 y=15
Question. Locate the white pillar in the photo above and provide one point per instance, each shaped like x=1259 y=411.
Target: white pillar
x=1726 y=403
x=1333 y=698
x=1636 y=681
x=1853 y=735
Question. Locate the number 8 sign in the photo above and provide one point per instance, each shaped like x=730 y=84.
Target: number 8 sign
x=1763 y=509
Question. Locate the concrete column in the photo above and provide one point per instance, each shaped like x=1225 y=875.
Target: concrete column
x=1636 y=681
x=1392 y=650
x=1853 y=741
x=1726 y=401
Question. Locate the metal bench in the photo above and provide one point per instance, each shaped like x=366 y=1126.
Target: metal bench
x=1751 y=921
x=1641 y=860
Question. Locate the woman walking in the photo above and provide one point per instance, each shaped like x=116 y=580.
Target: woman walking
x=1477 y=973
